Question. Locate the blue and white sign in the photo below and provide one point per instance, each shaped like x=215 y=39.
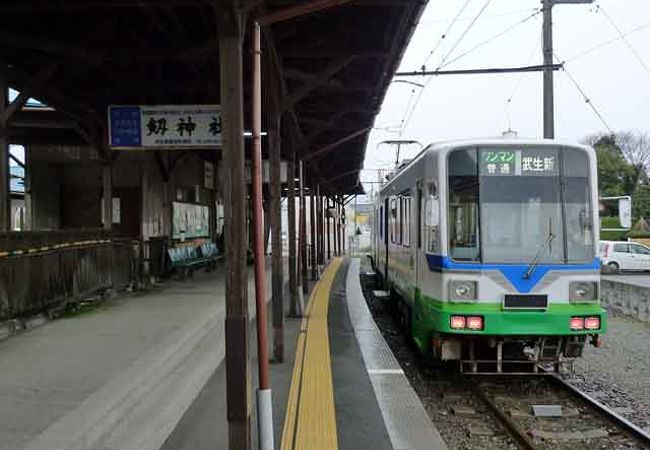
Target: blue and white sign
x=156 y=126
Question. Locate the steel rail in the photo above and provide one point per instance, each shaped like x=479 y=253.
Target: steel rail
x=513 y=429
x=604 y=411
x=522 y=437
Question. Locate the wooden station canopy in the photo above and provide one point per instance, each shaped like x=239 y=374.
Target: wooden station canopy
x=332 y=67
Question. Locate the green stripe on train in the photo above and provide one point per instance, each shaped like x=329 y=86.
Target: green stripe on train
x=432 y=316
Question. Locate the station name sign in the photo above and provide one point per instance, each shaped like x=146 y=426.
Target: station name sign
x=164 y=126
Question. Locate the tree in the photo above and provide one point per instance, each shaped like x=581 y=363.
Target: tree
x=635 y=147
x=616 y=176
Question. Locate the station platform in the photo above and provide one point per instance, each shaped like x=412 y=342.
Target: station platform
x=147 y=371
x=347 y=389
x=120 y=376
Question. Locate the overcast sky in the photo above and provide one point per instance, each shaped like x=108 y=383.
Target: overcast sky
x=463 y=106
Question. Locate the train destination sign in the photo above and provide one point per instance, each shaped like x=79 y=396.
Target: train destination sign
x=160 y=126
x=518 y=162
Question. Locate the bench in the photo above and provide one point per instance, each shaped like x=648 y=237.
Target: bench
x=186 y=259
x=210 y=253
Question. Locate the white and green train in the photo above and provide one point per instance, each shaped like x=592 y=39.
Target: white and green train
x=490 y=250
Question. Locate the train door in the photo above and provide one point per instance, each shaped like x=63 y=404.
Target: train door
x=385 y=243
x=419 y=202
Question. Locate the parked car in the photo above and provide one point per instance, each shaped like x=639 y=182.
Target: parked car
x=620 y=255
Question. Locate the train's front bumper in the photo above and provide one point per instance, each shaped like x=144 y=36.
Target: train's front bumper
x=436 y=316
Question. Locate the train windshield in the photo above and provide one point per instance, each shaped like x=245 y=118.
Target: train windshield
x=513 y=206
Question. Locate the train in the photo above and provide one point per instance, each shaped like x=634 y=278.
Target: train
x=488 y=250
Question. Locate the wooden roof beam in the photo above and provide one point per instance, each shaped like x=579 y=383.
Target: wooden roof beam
x=26 y=93
x=322 y=77
x=328 y=148
x=325 y=126
x=300 y=10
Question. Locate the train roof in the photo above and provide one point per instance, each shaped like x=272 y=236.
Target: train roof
x=443 y=146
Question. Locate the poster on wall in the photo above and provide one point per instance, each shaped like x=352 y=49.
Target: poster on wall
x=190 y=221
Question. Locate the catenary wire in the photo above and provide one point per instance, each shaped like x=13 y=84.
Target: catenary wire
x=584 y=96
x=467 y=29
x=491 y=39
x=622 y=36
x=606 y=43
x=444 y=35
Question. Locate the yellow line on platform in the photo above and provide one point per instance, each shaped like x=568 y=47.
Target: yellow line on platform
x=310 y=420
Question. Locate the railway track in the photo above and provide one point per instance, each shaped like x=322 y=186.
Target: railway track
x=490 y=412
x=545 y=412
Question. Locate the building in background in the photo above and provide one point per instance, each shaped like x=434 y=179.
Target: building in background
x=17 y=194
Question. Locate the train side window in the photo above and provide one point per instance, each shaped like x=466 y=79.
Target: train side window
x=398 y=228
x=432 y=219
x=393 y=220
x=419 y=217
x=406 y=240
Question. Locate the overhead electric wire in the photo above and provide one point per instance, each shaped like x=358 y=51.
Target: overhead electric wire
x=444 y=35
x=607 y=42
x=493 y=38
x=467 y=29
x=407 y=114
x=622 y=36
x=585 y=97
x=462 y=36
x=518 y=82
x=489 y=16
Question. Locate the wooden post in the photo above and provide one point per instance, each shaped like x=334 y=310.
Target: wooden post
x=276 y=236
x=5 y=201
x=291 y=220
x=327 y=226
x=321 y=222
x=28 y=189
x=107 y=196
x=303 y=230
x=312 y=235
x=237 y=347
x=343 y=237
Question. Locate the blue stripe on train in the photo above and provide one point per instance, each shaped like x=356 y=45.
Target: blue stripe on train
x=513 y=272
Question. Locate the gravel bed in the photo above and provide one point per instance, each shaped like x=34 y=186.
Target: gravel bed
x=618 y=373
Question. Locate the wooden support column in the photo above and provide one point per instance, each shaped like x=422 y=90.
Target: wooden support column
x=238 y=377
x=107 y=195
x=321 y=222
x=291 y=220
x=29 y=220
x=5 y=201
x=319 y=226
x=343 y=237
x=303 y=230
x=338 y=226
x=328 y=231
x=277 y=279
x=312 y=235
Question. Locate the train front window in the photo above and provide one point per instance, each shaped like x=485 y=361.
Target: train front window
x=529 y=204
x=463 y=206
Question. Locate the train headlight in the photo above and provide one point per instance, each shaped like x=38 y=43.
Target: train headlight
x=583 y=291
x=462 y=290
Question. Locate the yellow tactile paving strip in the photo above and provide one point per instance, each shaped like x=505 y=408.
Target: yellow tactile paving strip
x=310 y=421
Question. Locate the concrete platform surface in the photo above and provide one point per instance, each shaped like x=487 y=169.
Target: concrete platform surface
x=120 y=376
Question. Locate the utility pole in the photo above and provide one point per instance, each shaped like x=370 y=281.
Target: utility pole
x=547 y=48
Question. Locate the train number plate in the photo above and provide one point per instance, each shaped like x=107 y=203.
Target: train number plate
x=525 y=301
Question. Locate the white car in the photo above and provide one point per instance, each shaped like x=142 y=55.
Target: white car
x=620 y=255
